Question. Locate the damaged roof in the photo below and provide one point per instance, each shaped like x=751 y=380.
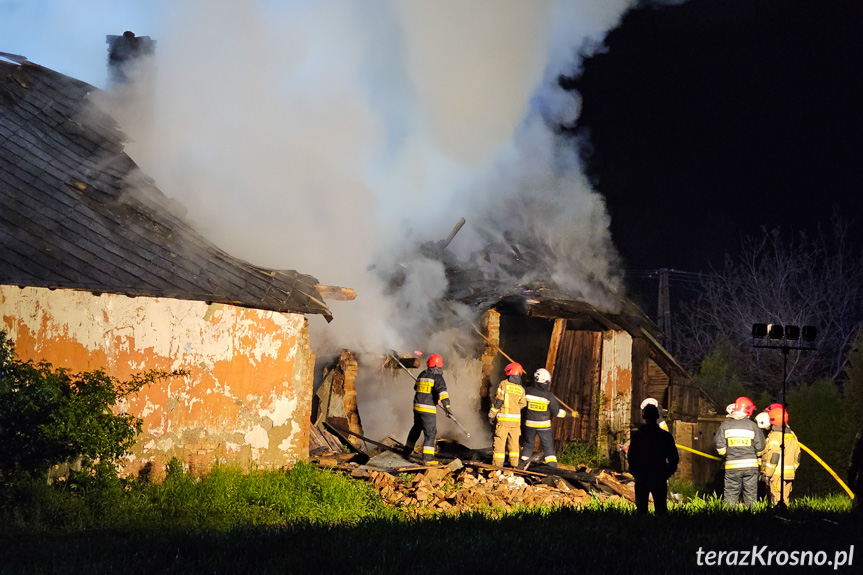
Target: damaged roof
x=78 y=213
x=514 y=279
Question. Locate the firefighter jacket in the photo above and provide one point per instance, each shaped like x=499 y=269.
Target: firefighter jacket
x=740 y=441
x=508 y=401
x=429 y=390
x=771 y=459
x=541 y=407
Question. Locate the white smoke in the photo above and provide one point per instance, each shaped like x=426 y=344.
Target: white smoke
x=335 y=136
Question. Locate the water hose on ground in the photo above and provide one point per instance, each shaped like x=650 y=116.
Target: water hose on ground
x=803 y=447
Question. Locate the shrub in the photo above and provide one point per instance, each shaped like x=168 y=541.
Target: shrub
x=51 y=416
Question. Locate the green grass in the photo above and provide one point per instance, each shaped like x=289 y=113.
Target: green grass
x=579 y=453
x=314 y=521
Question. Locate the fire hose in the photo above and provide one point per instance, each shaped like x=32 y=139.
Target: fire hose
x=447 y=411
x=500 y=351
x=803 y=447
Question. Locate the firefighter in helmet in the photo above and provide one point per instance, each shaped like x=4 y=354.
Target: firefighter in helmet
x=776 y=468
x=542 y=405
x=652 y=401
x=505 y=415
x=741 y=442
x=429 y=392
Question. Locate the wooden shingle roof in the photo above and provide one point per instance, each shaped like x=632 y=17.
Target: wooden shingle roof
x=76 y=212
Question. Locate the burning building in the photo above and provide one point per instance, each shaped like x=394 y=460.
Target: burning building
x=604 y=361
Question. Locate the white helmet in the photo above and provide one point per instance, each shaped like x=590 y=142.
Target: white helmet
x=649 y=401
x=541 y=375
x=763 y=420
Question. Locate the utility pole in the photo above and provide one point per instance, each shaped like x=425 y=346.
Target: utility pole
x=663 y=308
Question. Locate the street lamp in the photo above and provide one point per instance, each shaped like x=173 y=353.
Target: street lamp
x=785 y=338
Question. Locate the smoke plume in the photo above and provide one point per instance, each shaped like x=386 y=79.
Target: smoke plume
x=337 y=137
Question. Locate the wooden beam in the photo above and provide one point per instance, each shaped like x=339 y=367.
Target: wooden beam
x=336 y=293
x=554 y=343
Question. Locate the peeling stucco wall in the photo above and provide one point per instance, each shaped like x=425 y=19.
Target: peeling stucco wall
x=246 y=400
x=615 y=389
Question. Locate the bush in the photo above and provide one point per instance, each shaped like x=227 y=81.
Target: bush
x=51 y=416
x=816 y=414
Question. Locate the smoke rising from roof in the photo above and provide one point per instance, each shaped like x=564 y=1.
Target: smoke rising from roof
x=335 y=137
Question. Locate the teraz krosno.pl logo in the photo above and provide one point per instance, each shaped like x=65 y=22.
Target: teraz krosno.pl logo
x=758 y=556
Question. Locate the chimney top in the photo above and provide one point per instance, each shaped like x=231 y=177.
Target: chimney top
x=124 y=50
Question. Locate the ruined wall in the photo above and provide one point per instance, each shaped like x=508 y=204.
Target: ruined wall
x=247 y=398
x=615 y=390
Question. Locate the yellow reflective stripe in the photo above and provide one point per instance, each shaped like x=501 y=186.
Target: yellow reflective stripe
x=428 y=450
x=741 y=463
x=444 y=395
x=536 y=403
x=509 y=416
x=550 y=458
x=733 y=432
x=538 y=424
x=513 y=453
x=424 y=385
x=425 y=408
x=720 y=450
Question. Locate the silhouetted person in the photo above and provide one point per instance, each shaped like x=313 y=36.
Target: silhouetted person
x=653 y=459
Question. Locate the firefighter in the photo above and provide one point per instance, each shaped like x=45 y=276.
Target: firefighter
x=505 y=415
x=774 y=467
x=661 y=421
x=429 y=391
x=653 y=458
x=762 y=420
x=542 y=405
x=741 y=442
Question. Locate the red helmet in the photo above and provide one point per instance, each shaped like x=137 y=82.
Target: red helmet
x=773 y=406
x=745 y=405
x=435 y=360
x=514 y=368
x=775 y=414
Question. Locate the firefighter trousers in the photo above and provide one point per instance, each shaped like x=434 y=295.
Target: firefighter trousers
x=545 y=440
x=506 y=435
x=741 y=482
x=774 y=488
x=425 y=423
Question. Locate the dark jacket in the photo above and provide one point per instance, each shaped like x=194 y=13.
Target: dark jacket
x=652 y=452
x=429 y=390
x=740 y=441
x=541 y=406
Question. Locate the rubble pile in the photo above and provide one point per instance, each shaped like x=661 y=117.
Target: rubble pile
x=459 y=487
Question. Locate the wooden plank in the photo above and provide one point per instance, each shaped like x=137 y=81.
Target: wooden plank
x=481 y=465
x=553 y=345
x=336 y=293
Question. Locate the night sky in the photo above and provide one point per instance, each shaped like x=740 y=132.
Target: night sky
x=711 y=119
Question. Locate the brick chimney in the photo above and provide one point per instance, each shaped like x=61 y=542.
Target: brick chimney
x=123 y=51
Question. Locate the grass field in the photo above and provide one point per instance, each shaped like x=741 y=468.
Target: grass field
x=312 y=521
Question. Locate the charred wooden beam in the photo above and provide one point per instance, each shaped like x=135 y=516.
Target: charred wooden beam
x=392 y=362
x=336 y=293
